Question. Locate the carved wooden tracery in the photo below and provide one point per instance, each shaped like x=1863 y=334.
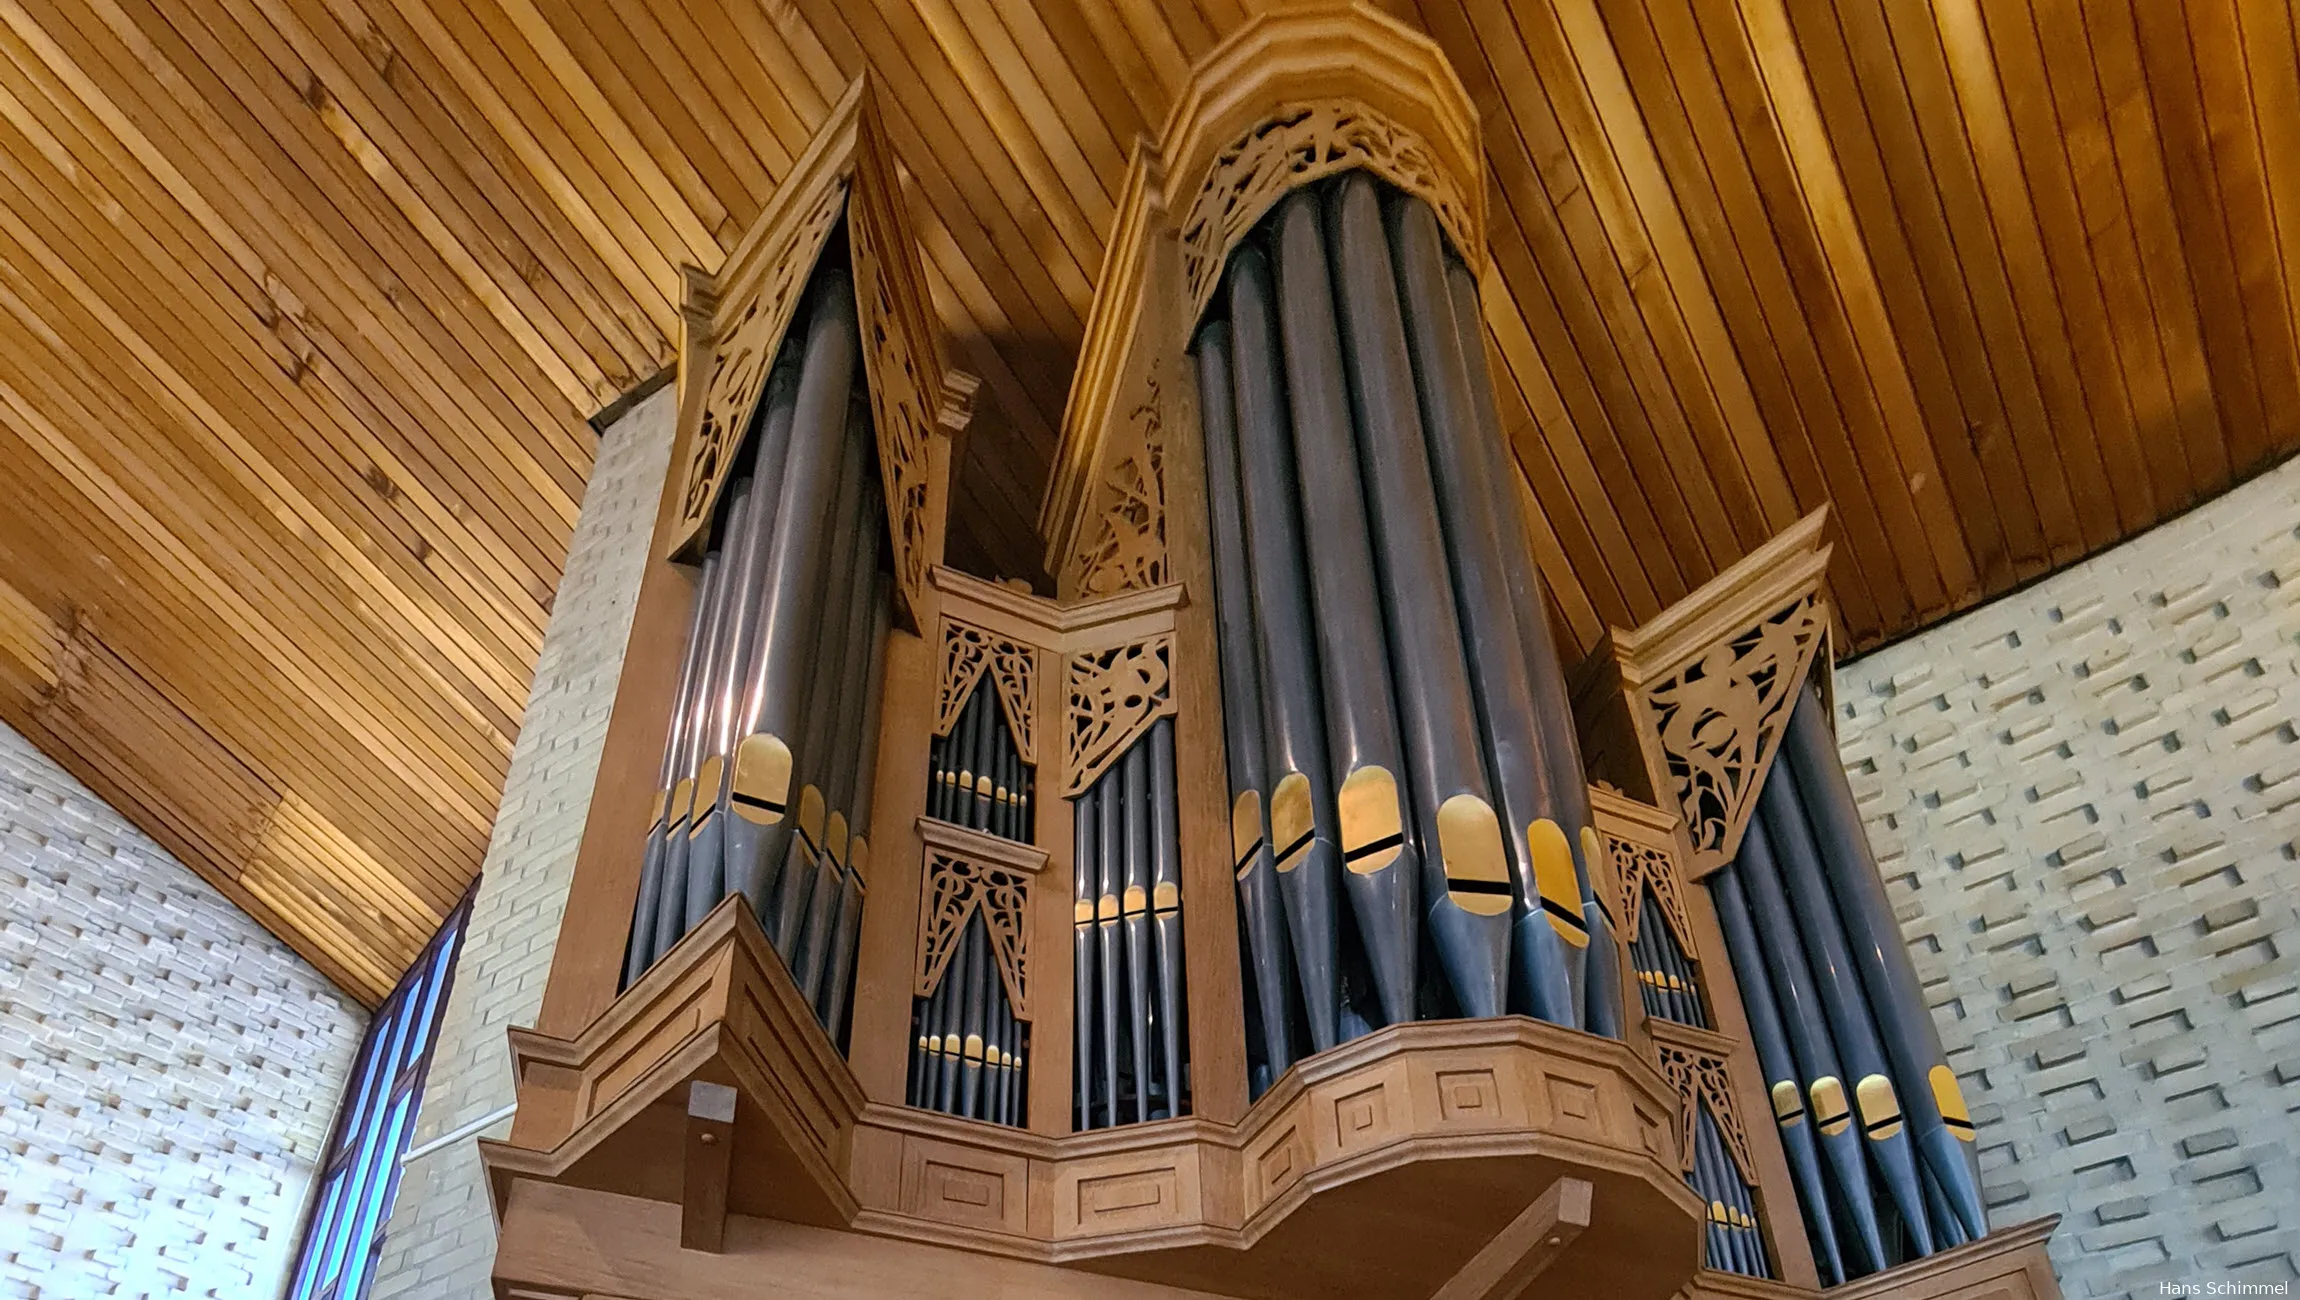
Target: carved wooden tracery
x=898 y=354
x=1295 y=145
x=1114 y=695
x=1700 y=1080
x=848 y=170
x=967 y=652
x=1128 y=550
x=745 y=338
x=959 y=884
x=1720 y=718
x=1648 y=868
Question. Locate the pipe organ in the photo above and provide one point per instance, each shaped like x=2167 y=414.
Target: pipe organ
x=1269 y=909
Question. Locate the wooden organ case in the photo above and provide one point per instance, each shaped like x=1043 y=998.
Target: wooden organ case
x=1193 y=931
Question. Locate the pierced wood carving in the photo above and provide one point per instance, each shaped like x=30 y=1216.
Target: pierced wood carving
x=1129 y=546
x=1720 y=719
x=1114 y=696
x=1297 y=144
x=746 y=337
x=956 y=887
x=902 y=393
x=967 y=651
x=1648 y=868
x=1700 y=1079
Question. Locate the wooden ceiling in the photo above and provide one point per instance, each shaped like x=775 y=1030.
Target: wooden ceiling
x=303 y=304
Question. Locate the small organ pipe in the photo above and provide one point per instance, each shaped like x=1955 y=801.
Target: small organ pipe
x=1166 y=907
x=1304 y=837
x=1086 y=842
x=1466 y=882
x=1134 y=907
x=1110 y=858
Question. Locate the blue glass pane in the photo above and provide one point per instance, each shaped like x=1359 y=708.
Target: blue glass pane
x=360 y=1171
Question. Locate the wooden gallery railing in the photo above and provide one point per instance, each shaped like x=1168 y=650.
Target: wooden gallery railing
x=1239 y=919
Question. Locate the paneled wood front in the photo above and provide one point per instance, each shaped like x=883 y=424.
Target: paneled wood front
x=303 y=304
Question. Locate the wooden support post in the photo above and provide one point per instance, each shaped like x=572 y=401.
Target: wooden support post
x=1507 y=1265
x=710 y=1147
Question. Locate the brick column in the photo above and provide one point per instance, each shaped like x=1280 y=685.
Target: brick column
x=440 y=1242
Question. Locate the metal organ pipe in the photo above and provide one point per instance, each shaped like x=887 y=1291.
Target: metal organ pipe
x=1304 y=837
x=1783 y=960
x=1935 y=1104
x=1466 y=872
x=1262 y=922
x=1780 y=1070
x=1380 y=864
x=1552 y=934
x=838 y=989
x=1086 y=839
x=1559 y=739
x=774 y=696
x=855 y=586
x=1875 y=1099
x=803 y=859
x=645 y=928
x=1166 y=909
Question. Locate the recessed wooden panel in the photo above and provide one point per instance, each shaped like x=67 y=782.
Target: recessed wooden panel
x=962 y=1185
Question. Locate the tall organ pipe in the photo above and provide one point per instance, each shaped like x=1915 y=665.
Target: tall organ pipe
x=1466 y=871
x=680 y=870
x=1552 y=932
x=852 y=593
x=1569 y=788
x=774 y=695
x=1304 y=839
x=1779 y=1068
x=1808 y=1033
x=642 y=951
x=1877 y=1101
x=803 y=860
x=744 y=549
x=1268 y=963
x=706 y=874
x=838 y=991
x=1942 y=1126
x=671 y=901
x=1380 y=865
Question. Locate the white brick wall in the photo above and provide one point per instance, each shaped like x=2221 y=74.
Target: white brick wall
x=440 y=1242
x=2086 y=798
x=168 y=1070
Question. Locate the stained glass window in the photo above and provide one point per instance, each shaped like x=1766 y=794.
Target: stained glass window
x=343 y=1238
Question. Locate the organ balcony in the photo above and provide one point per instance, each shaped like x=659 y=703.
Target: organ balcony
x=1268 y=911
